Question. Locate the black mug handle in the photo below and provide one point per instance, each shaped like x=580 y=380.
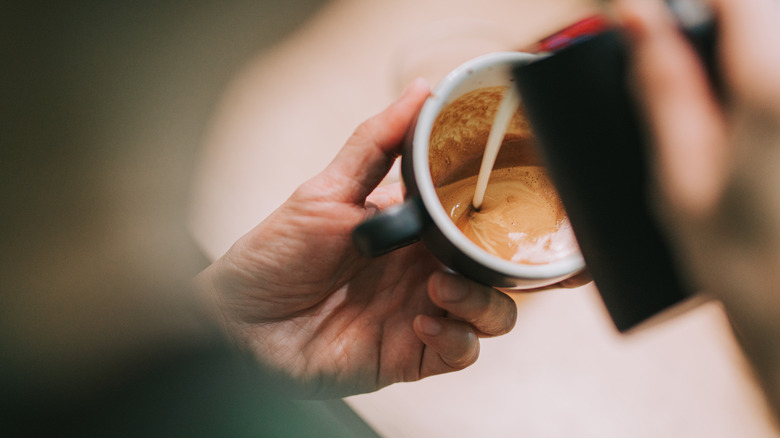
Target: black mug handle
x=391 y=229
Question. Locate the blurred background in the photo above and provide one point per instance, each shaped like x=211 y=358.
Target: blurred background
x=291 y=108
x=123 y=121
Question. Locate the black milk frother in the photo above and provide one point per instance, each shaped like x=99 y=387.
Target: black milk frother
x=579 y=104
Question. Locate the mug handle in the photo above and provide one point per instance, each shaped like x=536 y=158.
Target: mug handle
x=391 y=229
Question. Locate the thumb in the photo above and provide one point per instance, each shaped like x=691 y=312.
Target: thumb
x=371 y=150
x=681 y=110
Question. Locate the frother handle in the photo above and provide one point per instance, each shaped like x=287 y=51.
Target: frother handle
x=394 y=228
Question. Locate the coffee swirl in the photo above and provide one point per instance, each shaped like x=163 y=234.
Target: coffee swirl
x=522 y=219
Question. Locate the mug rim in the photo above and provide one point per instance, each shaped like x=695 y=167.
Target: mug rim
x=441 y=96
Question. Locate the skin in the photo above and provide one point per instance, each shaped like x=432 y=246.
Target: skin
x=716 y=160
x=295 y=292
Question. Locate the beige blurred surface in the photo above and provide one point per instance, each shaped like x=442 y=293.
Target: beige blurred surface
x=563 y=371
x=293 y=107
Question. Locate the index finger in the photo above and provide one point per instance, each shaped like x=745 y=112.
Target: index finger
x=371 y=150
x=491 y=312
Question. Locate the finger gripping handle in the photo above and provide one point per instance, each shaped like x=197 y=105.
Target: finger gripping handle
x=394 y=228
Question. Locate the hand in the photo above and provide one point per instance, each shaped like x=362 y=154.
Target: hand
x=297 y=294
x=717 y=160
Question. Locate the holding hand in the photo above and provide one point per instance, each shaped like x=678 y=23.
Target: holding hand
x=297 y=294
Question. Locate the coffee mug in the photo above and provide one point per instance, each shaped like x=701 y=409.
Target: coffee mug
x=423 y=217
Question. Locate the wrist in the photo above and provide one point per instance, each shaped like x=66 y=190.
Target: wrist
x=210 y=295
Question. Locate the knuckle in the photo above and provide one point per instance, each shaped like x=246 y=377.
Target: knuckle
x=366 y=131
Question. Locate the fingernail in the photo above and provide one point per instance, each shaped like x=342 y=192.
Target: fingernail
x=450 y=287
x=428 y=326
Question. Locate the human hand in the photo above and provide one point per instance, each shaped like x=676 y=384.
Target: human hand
x=717 y=160
x=297 y=294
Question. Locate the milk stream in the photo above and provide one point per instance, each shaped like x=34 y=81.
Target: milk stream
x=506 y=109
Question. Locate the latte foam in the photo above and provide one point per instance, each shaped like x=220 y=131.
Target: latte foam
x=521 y=219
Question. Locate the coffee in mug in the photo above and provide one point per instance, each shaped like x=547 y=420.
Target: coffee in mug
x=520 y=238
x=521 y=218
